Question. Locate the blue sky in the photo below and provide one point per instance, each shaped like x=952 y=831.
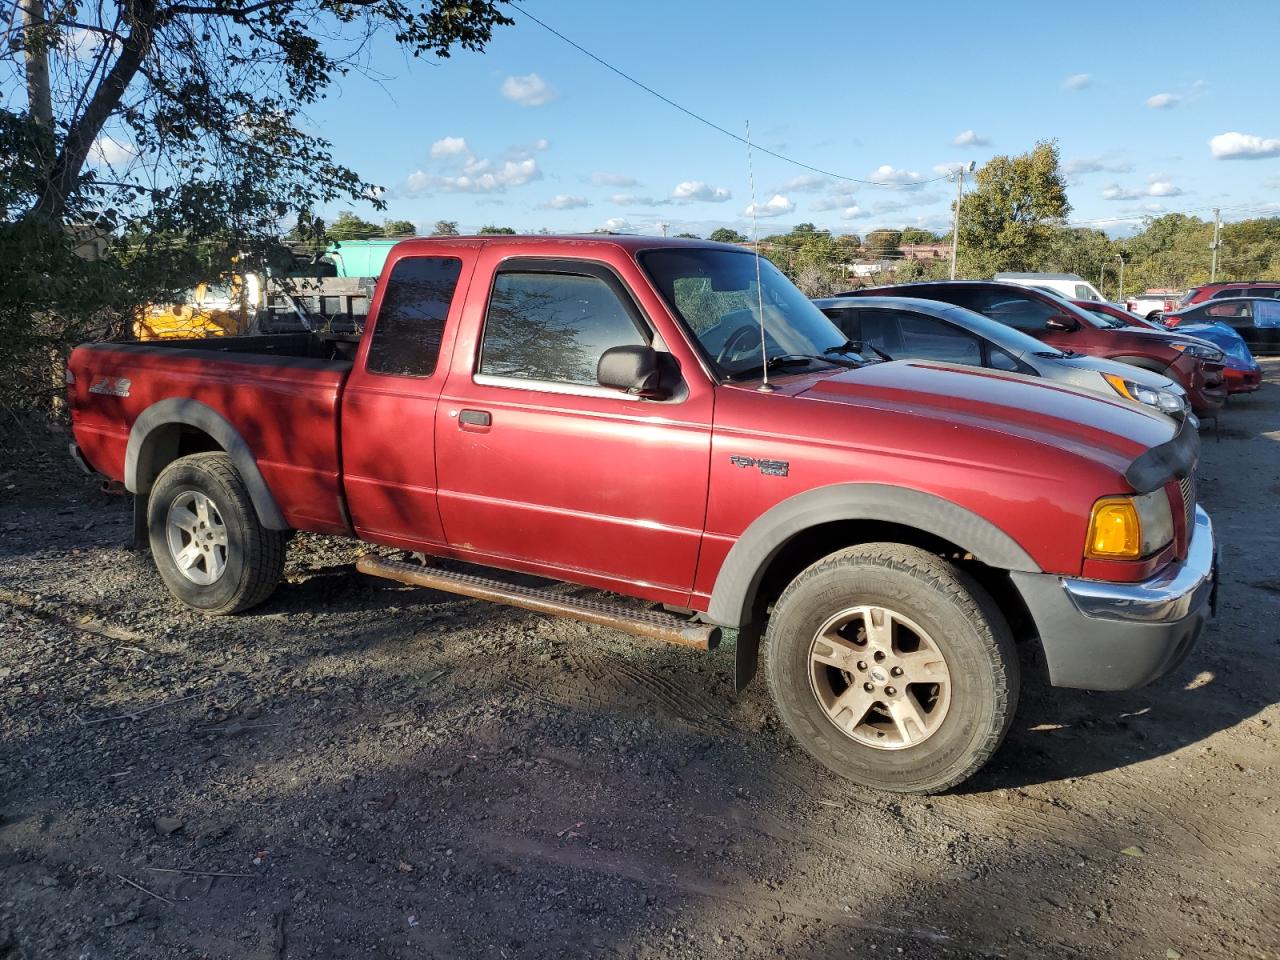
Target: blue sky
x=533 y=134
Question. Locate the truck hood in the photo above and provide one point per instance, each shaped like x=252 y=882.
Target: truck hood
x=1010 y=403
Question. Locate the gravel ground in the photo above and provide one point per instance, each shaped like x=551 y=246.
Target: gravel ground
x=361 y=770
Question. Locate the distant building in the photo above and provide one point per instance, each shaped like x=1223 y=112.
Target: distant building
x=926 y=251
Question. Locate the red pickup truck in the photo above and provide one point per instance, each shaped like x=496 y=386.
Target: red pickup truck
x=674 y=422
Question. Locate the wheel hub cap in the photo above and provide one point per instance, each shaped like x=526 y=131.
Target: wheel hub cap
x=879 y=677
x=197 y=537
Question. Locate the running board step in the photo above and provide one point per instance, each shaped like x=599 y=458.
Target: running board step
x=645 y=623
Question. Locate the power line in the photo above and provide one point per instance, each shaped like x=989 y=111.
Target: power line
x=715 y=126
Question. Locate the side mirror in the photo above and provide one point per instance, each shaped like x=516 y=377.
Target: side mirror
x=635 y=369
x=1062 y=323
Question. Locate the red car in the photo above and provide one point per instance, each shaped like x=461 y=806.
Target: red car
x=619 y=413
x=1104 y=310
x=1240 y=370
x=1236 y=288
x=1192 y=364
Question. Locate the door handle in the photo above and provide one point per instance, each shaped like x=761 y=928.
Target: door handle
x=475 y=420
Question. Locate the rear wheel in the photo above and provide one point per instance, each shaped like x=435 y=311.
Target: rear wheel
x=893 y=668
x=207 y=543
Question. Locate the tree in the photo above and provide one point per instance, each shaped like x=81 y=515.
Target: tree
x=1007 y=220
x=490 y=230
x=726 y=235
x=445 y=228
x=883 y=242
x=399 y=228
x=183 y=119
x=348 y=226
x=687 y=236
x=912 y=235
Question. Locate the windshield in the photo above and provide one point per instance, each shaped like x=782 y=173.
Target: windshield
x=1087 y=316
x=715 y=294
x=1106 y=318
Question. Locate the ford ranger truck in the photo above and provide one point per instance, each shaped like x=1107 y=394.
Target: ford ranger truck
x=673 y=422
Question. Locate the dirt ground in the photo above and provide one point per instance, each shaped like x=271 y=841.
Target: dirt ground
x=361 y=770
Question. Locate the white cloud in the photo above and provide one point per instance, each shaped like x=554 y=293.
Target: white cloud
x=635 y=200
x=1077 y=81
x=1243 y=146
x=112 y=152
x=563 y=201
x=823 y=204
x=1163 y=188
x=776 y=206
x=81 y=44
x=529 y=90
x=804 y=183
x=617 y=225
x=692 y=191
x=478 y=176
x=947 y=169
x=889 y=174
x=1081 y=165
x=1113 y=191
x=850 y=213
x=613 y=180
x=1164 y=101
x=970 y=138
x=449 y=147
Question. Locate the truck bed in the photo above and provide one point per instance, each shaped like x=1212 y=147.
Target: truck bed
x=279 y=392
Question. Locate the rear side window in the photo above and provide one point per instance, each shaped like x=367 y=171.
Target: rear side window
x=406 y=337
x=553 y=327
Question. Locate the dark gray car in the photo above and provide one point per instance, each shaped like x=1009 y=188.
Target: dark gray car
x=906 y=328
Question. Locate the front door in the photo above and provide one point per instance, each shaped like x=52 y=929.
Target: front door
x=541 y=468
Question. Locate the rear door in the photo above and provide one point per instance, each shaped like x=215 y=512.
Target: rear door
x=541 y=468
x=389 y=405
x=1266 y=322
x=1238 y=315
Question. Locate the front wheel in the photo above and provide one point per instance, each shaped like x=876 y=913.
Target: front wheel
x=207 y=543
x=892 y=667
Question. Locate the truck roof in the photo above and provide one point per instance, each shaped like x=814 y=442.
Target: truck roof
x=626 y=241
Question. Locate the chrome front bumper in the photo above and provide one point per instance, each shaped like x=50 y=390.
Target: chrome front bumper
x=1173 y=595
x=1115 y=636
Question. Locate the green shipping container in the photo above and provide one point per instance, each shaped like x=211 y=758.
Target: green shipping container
x=359 y=258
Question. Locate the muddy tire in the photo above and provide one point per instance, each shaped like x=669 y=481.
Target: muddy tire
x=207 y=543
x=892 y=667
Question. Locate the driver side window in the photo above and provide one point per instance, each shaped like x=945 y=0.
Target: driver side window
x=553 y=327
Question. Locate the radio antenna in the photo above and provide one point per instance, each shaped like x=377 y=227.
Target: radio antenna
x=765 y=385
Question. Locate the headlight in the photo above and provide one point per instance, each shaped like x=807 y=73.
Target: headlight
x=1201 y=351
x=1166 y=401
x=1129 y=528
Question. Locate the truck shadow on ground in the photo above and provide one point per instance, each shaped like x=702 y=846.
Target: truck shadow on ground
x=525 y=808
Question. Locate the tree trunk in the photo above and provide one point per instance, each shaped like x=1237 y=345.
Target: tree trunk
x=84 y=130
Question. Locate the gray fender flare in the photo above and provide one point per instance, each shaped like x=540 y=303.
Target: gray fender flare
x=144 y=451
x=734 y=594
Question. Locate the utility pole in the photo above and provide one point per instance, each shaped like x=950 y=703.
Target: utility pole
x=955 y=224
x=1217 y=231
x=662 y=225
x=1120 y=257
x=35 y=42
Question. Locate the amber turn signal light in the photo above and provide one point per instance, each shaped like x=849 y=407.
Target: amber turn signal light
x=1115 y=532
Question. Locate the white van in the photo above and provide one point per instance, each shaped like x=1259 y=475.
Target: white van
x=1069 y=285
